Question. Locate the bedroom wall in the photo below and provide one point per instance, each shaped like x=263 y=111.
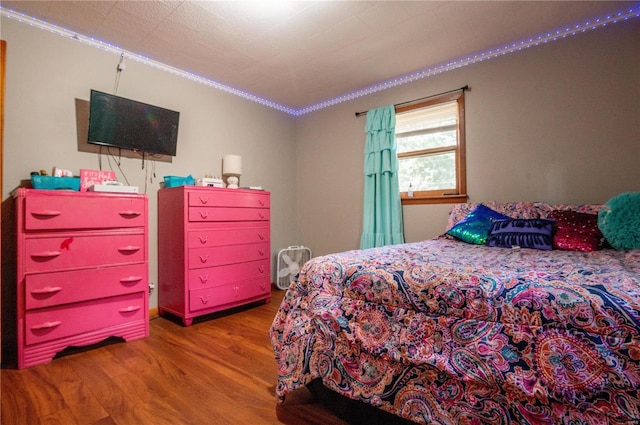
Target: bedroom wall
x=46 y=73
x=557 y=123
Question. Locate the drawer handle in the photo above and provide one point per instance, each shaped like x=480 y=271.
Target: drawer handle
x=46 y=290
x=46 y=254
x=261 y=252
x=261 y=269
x=203 y=239
x=204 y=279
x=204 y=214
x=129 y=249
x=46 y=325
x=204 y=258
x=261 y=215
x=129 y=309
x=46 y=213
x=204 y=199
x=261 y=236
x=131 y=279
x=130 y=213
x=261 y=202
x=204 y=300
x=263 y=286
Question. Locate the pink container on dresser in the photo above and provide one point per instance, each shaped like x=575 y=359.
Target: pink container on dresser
x=82 y=270
x=214 y=249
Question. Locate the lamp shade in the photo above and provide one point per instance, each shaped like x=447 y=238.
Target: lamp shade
x=231 y=165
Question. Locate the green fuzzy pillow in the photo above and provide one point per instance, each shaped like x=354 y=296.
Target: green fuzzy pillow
x=619 y=221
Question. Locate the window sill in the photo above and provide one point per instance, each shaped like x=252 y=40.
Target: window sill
x=415 y=200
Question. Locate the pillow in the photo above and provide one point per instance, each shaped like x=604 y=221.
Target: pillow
x=619 y=221
x=474 y=228
x=576 y=231
x=536 y=233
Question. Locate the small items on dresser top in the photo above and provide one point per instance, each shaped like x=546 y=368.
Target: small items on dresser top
x=58 y=180
x=88 y=180
x=207 y=181
x=103 y=181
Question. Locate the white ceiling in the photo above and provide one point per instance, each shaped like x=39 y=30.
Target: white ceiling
x=305 y=52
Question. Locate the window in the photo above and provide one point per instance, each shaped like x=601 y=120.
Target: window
x=431 y=155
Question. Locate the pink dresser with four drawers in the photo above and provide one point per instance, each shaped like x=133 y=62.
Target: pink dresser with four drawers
x=214 y=249
x=82 y=270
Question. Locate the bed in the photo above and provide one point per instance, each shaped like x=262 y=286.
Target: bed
x=448 y=332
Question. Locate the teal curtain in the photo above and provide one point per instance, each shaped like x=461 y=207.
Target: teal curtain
x=382 y=221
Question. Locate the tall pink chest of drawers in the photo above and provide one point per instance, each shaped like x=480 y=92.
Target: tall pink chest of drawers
x=214 y=249
x=82 y=270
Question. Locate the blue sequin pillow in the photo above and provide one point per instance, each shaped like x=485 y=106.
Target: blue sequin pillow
x=536 y=233
x=475 y=227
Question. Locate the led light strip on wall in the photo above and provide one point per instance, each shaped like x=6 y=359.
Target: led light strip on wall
x=479 y=57
x=434 y=70
x=141 y=59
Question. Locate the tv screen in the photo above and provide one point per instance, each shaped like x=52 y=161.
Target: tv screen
x=128 y=124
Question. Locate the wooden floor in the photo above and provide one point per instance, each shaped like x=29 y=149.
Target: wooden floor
x=218 y=371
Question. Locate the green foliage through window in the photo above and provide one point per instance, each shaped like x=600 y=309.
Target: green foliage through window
x=430 y=144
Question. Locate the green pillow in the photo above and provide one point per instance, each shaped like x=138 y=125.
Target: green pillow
x=619 y=221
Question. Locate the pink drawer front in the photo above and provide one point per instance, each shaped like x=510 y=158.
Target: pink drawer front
x=62 y=253
x=223 y=275
x=50 y=289
x=204 y=214
x=229 y=198
x=46 y=212
x=72 y=319
x=218 y=256
x=220 y=237
x=234 y=293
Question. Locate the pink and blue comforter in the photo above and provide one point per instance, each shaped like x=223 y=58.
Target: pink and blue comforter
x=442 y=332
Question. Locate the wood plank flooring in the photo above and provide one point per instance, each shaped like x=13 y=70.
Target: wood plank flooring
x=221 y=370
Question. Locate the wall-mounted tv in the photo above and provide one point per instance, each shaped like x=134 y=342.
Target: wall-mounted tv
x=127 y=124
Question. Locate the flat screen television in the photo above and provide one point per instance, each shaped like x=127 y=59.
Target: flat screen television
x=127 y=124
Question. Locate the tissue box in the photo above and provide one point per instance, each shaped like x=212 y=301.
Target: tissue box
x=173 y=181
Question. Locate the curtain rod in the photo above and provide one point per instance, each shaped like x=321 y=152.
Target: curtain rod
x=422 y=98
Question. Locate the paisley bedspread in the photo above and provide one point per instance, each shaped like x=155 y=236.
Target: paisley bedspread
x=443 y=332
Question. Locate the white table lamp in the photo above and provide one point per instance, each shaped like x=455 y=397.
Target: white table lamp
x=231 y=170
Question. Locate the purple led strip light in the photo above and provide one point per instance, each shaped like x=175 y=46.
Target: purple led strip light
x=431 y=71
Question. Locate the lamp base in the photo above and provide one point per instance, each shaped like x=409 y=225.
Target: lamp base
x=232 y=182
